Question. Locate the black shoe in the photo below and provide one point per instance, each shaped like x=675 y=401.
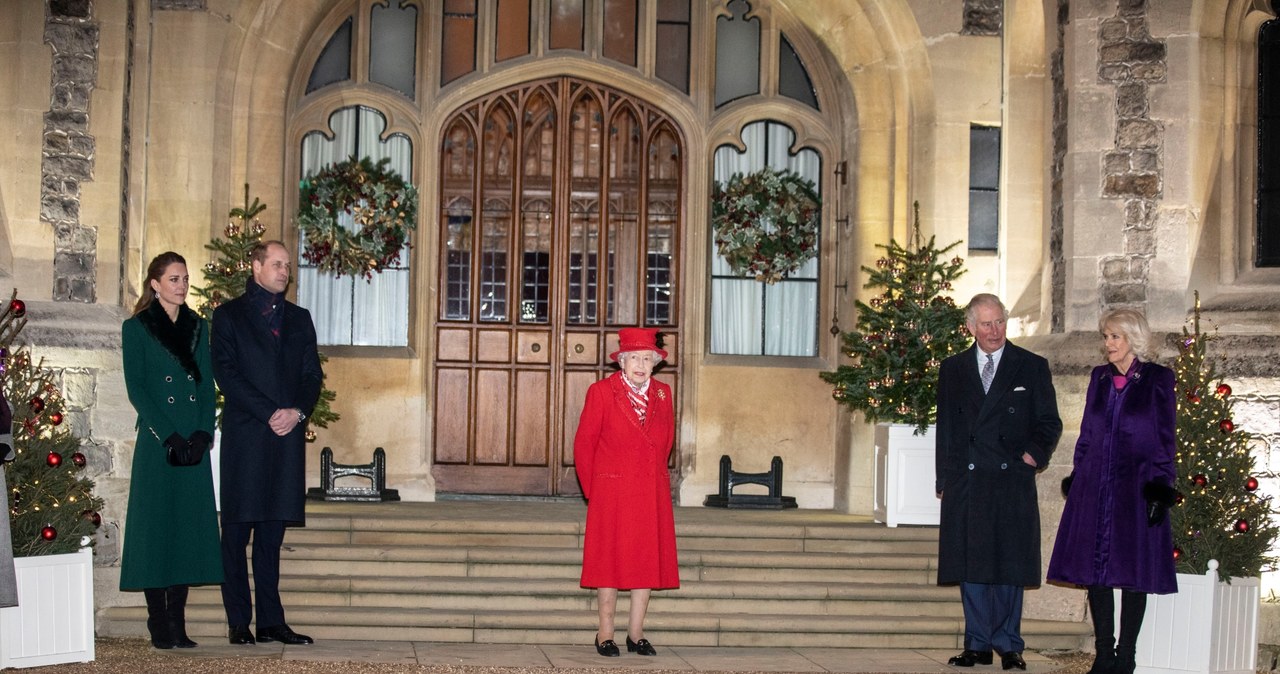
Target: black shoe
x=239 y=635
x=284 y=635
x=1012 y=660
x=970 y=658
x=641 y=647
x=608 y=649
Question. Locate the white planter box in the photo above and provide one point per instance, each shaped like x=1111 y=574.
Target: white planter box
x=53 y=621
x=905 y=468
x=1208 y=627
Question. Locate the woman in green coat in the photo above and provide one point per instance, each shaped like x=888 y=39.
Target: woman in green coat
x=171 y=530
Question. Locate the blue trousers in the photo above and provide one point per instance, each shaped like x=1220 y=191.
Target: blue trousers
x=267 y=539
x=992 y=617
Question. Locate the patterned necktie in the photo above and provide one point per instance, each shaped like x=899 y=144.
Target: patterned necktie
x=988 y=373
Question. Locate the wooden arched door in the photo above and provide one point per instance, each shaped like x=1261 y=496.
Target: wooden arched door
x=559 y=223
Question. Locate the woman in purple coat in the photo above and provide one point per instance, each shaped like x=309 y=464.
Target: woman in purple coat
x=1115 y=532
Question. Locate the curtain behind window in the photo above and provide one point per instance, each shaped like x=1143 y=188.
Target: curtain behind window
x=350 y=310
x=749 y=317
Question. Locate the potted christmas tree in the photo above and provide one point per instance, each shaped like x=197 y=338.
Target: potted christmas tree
x=53 y=515
x=901 y=337
x=1222 y=532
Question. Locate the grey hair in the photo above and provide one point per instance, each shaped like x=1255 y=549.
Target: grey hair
x=657 y=357
x=1133 y=325
x=983 y=300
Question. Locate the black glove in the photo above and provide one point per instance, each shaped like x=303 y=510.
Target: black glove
x=179 y=452
x=176 y=443
x=200 y=442
x=6 y=447
x=1066 y=483
x=1160 y=498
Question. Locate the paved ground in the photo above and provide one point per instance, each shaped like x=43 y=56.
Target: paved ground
x=135 y=656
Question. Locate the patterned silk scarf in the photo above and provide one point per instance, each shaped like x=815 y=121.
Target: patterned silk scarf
x=639 y=397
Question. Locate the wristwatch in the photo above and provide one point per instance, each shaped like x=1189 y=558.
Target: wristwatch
x=302 y=416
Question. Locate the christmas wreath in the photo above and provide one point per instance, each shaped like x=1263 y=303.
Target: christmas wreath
x=381 y=204
x=766 y=223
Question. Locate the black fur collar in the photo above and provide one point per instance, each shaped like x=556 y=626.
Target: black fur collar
x=179 y=337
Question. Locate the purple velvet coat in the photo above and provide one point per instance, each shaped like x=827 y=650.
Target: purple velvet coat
x=1126 y=441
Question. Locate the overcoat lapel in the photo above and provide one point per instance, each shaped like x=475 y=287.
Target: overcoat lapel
x=971 y=380
x=623 y=401
x=1010 y=362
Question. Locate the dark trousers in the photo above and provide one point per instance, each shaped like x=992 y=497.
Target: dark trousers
x=267 y=539
x=992 y=617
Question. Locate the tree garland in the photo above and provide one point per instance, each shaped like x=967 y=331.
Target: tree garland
x=383 y=206
x=766 y=223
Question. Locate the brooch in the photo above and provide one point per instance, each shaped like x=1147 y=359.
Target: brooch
x=662 y=395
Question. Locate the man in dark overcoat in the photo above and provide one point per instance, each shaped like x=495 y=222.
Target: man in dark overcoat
x=997 y=426
x=266 y=363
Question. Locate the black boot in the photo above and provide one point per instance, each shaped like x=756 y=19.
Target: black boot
x=158 y=619
x=1102 y=608
x=177 y=596
x=1133 y=606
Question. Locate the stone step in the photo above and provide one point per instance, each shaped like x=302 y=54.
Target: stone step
x=577 y=627
x=487 y=594
x=507 y=572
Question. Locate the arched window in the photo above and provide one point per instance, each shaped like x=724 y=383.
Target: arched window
x=347 y=310
x=1267 y=252
x=749 y=317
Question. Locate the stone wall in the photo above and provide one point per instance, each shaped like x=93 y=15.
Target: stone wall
x=1131 y=60
x=69 y=148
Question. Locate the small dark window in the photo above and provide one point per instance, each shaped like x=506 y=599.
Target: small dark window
x=672 y=60
x=513 y=30
x=618 y=41
x=1268 y=244
x=984 y=187
x=566 y=24
x=458 y=42
x=334 y=63
x=793 y=78
x=737 y=54
x=393 y=46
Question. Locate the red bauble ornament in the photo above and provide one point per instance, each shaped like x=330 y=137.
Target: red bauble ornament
x=18 y=307
x=1223 y=390
x=1199 y=480
x=1242 y=525
x=55 y=418
x=54 y=459
x=1193 y=397
x=48 y=533
x=79 y=459
x=1177 y=554
x=92 y=517
x=1251 y=484
x=37 y=404
x=1226 y=426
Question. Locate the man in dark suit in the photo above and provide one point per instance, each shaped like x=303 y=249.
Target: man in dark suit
x=266 y=363
x=997 y=426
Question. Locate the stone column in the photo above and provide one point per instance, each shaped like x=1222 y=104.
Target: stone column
x=68 y=152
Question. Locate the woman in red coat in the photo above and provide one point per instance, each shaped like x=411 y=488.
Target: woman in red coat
x=620 y=452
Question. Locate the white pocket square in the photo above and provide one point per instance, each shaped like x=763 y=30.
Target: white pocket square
x=1019 y=388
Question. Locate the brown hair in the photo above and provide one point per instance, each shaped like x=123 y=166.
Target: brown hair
x=259 y=251
x=155 y=270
